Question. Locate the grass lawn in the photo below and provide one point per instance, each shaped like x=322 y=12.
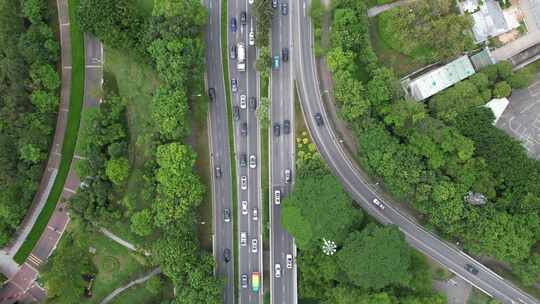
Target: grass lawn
x=139 y=294
x=478 y=297
x=389 y=57
x=70 y=136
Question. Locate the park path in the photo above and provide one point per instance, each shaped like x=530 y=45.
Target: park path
x=140 y=280
x=121 y=241
x=374 y=11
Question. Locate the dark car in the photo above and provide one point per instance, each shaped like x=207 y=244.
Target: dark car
x=243 y=160
x=212 y=94
x=236 y=112
x=285 y=54
x=227 y=215
x=470 y=268
x=277 y=129
x=244 y=281
x=286 y=126
x=284 y=8
x=234 y=85
x=252 y=103
x=318 y=119
x=218 y=172
x=232 y=53
x=243 y=18
x=243 y=129
x=274 y=3
x=226 y=255
x=233 y=24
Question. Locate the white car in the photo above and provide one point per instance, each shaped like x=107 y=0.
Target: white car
x=287 y=176
x=253 y=161
x=277 y=272
x=243 y=102
x=277 y=197
x=251 y=1
x=243 y=182
x=251 y=38
x=289 y=260
x=244 y=207
x=255 y=214
x=243 y=238
x=254 y=245
x=378 y=203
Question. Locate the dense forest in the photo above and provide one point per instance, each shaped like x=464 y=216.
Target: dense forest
x=29 y=100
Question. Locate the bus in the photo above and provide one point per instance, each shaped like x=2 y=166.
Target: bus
x=255 y=282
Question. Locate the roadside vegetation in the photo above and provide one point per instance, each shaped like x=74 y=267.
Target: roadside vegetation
x=29 y=99
x=434 y=153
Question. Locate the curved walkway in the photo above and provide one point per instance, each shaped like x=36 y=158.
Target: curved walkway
x=140 y=280
x=374 y=11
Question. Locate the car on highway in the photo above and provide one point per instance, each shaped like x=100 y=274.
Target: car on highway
x=277 y=129
x=243 y=238
x=243 y=182
x=253 y=161
x=254 y=245
x=284 y=8
x=318 y=119
x=212 y=94
x=288 y=259
x=243 y=102
x=227 y=255
x=255 y=277
x=234 y=85
x=251 y=1
x=274 y=3
x=232 y=52
x=285 y=54
x=252 y=37
x=286 y=126
x=233 y=24
x=244 y=207
x=275 y=62
x=226 y=215
x=470 y=268
x=255 y=214
x=217 y=171
x=236 y=112
x=277 y=197
x=287 y=176
x=243 y=129
x=244 y=281
x=252 y=104
x=378 y=203
x=243 y=159
x=243 y=18
x=277 y=272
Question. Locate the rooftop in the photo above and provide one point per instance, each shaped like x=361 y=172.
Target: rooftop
x=489 y=19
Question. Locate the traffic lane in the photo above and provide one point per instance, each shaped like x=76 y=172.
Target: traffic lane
x=311 y=101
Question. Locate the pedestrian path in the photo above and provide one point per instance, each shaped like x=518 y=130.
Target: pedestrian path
x=374 y=11
x=141 y=280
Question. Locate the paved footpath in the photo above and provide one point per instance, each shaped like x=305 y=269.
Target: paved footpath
x=22 y=285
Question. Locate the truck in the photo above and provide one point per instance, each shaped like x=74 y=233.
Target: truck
x=241 y=64
x=255 y=281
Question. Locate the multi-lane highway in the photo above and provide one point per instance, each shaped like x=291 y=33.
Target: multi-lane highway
x=282 y=282
x=219 y=149
x=364 y=193
x=246 y=146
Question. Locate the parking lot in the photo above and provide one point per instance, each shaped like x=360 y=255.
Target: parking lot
x=521 y=119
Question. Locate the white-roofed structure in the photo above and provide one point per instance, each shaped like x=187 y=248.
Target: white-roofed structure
x=489 y=19
x=436 y=80
x=497 y=106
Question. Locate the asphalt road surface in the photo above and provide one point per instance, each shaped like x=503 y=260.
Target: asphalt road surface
x=219 y=149
x=246 y=145
x=283 y=288
x=363 y=192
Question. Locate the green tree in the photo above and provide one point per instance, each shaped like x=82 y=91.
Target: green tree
x=521 y=79
x=44 y=77
x=154 y=285
x=31 y=153
x=117 y=170
x=44 y=101
x=142 y=222
x=169 y=110
x=502 y=89
x=34 y=10
x=262 y=112
x=387 y=252
x=264 y=61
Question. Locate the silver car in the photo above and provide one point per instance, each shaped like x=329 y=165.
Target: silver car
x=253 y=161
x=277 y=197
x=289 y=260
x=243 y=182
x=277 y=271
x=244 y=207
x=255 y=214
x=243 y=238
x=254 y=245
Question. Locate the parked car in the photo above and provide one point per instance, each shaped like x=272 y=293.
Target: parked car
x=253 y=161
x=227 y=255
x=243 y=160
x=255 y=214
x=243 y=103
x=286 y=126
x=285 y=54
x=217 y=171
x=318 y=119
x=277 y=197
x=243 y=182
x=236 y=112
x=244 y=281
x=233 y=53
x=277 y=272
x=275 y=62
x=226 y=215
x=252 y=103
x=233 y=24
x=243 y=238
x=244 y=207
x=212 y=94
x=284 y=8
x=288 y=258
x=287 y=176
x=234 y=85
x=243 y=129
x=378 y=203
x=274 y=3
x=254 y=245
x=277 y=129
x=243 y=18
x=470 y=268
